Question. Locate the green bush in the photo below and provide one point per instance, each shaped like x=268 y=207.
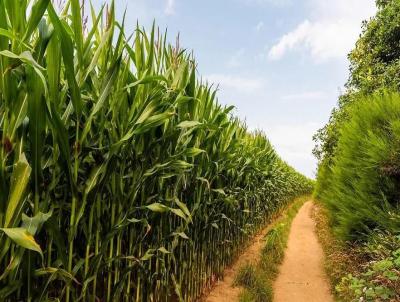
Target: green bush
x=379 y=277
x=362 y=184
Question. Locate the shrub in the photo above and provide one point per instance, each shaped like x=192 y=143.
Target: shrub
x=362 y=185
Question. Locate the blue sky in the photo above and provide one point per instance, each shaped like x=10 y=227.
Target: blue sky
x=282 y=63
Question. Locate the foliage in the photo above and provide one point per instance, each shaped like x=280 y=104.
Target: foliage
x=374 y=67
x=375 y=61
x=361 y=271
x=358 y=153
x=257 y=286
x=379 y=277
x=246 y=276
x=121 y=177
x=361 y=187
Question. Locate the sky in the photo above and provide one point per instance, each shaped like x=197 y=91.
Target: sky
x=282 y=63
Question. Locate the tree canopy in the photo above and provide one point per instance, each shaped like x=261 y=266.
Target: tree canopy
x=374 y=67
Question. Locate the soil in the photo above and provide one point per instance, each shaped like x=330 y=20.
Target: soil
x=301 y=275
x=223 y=291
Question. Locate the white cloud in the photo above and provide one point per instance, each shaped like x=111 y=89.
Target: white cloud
x=170 y=7
x=294 y=144
x=330 y=31
x=290 y=40
x=259 y=26
x=237 y=83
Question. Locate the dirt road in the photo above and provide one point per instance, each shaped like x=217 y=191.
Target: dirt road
x=302 y=277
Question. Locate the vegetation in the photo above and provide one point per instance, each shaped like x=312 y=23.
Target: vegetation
x=358 y=174
x=121 y=176
x=376 y=277
x=258 y=288
x=257 y=279
x=367 y=155
x=374 y=67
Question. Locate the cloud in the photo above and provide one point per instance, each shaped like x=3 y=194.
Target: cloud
x=170 y=8
x=259 y=26
x=294 y=144
x=330 y=31
x=236 y=83
x=290 y=41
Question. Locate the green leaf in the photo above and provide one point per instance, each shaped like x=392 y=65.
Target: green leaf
x=181 y=76
x=77 y=28
x=157 y=207
x=153 y=122
x=181 y=234
x=148 y=255
x=22 y=238
x=188 y=124
x=192 y=152
x=164 y=250
x=37 y=12
x=107 y=88
x=94 y=177
x=146 y=80
x=58 y=273
x=27 y=58
x=150 y=57
x=19 y=181
x=179 y=213
x=220 y=191
x=67 y=50
x=33 y=224
x=37 y=125
x=184 y=208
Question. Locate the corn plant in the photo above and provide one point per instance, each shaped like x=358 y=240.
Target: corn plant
x=121 y=176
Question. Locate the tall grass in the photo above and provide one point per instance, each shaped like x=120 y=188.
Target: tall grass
x=121 y=177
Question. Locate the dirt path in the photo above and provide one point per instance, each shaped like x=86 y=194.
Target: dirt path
x=223 y=290
x=302 y=277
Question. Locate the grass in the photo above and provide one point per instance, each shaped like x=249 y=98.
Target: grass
x=252 y=279
x=257 y=279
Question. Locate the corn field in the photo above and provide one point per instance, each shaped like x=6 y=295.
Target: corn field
x=121 y=176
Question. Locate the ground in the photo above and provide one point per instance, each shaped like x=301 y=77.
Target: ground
x=301 y=275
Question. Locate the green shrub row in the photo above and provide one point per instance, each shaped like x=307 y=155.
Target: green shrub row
x=361 y=184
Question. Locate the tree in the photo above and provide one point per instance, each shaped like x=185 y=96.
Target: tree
x=374 y=67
